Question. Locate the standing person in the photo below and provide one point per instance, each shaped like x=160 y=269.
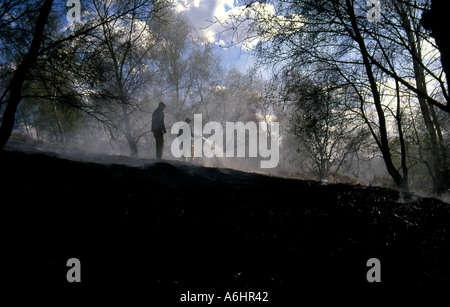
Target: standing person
x=158 y=129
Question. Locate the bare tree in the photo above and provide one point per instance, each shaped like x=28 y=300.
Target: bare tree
x=336 y=36
x=409 y=21
x=327 y=134
x=14 y=88
x=189 y=67
x=123 y=49
x=25 y=22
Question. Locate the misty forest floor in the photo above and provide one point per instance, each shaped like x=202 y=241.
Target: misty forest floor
x=169 y=227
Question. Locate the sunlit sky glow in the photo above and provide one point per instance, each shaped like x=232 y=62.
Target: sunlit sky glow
x=203 y=14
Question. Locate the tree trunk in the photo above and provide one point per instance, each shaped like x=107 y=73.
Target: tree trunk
x=383 y=143
x=401 y=136
x=436 y=20
x=18 y=79
x=132 y=144
x=438 y=161
x=60 y=136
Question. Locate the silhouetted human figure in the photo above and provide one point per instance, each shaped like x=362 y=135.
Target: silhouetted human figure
x=158 y=129
x=180 y=132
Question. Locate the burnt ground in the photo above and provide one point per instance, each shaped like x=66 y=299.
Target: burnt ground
x=162 y=229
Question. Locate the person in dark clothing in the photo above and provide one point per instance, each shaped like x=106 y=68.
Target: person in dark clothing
x=158 y=128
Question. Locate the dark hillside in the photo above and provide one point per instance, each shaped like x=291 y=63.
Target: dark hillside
x=170 y=228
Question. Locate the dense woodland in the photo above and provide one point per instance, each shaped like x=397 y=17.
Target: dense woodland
x=350 y=95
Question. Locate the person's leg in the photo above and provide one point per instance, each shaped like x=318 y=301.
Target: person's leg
x=159 y=138
x=161 y=145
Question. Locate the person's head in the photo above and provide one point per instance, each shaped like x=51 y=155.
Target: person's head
x=162 y=105
x=187 y=120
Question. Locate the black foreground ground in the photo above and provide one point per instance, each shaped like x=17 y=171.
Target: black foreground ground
x=166 y=228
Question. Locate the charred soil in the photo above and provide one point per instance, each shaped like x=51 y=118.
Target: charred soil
x=169 y=227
